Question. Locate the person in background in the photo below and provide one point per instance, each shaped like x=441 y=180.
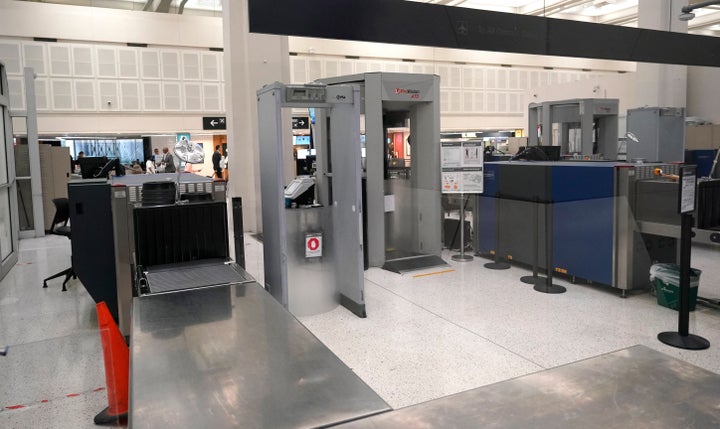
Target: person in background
x=224 y=165
x=168 y=161
x=149 y=165
x=136 y=167
x=216 y=158
x=156 y=158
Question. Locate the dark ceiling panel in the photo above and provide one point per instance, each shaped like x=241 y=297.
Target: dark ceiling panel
x=412 y=23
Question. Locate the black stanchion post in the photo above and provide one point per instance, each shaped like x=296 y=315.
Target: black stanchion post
x=534 y=278
x=497 y=264
x=547 y=286
x=683 y=339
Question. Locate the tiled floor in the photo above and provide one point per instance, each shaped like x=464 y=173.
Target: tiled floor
x=425 y=337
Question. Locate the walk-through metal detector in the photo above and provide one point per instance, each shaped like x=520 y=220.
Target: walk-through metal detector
x=313 y=254
x=403 y=207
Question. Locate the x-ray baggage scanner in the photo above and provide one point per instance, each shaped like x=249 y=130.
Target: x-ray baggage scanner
x=313 y=252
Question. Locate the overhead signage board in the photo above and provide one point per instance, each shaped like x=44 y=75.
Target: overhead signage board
x=214 y=123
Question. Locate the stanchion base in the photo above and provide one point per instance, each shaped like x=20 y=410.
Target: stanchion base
x=533 y=280
x=552 y=288
x=461 y=258
x=689 y=342
x=497 y=266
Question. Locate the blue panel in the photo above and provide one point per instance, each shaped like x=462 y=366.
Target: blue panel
x=583 y=238
x=487 y=207
x=576 y=182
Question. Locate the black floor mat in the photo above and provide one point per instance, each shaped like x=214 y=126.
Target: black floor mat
x=413 y=263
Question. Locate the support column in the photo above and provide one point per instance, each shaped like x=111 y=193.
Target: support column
x=661 y=85
x=250 y=61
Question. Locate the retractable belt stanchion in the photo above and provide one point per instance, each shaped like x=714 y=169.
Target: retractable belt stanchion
x=497 y=264
x=534 y=278
x=686 y=206
x=462 y=257
x=547 y=286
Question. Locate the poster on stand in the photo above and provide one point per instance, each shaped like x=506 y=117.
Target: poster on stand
x=462 y=167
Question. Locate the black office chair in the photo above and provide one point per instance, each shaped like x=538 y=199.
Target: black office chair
x=60 y=227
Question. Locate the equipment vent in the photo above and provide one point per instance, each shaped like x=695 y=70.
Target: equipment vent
x=107 y=64
x=84 y=95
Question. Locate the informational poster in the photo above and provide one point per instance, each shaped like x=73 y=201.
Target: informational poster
x=462 y=167
x=688 y=183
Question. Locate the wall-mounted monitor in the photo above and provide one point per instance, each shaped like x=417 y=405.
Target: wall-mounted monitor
x=301 y=140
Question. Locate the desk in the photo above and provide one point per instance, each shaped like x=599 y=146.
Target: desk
x=231 y=356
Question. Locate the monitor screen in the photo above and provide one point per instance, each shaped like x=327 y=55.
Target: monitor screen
x=302 y=153
x=301 y=140
x=91 y=165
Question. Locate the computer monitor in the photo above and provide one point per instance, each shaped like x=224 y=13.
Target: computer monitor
x=552 y=152
x=301 y=140
x=91 y=166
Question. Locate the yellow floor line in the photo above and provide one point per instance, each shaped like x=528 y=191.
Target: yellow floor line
x=432 y=274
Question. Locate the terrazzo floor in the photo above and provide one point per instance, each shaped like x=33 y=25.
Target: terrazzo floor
x=426 y=336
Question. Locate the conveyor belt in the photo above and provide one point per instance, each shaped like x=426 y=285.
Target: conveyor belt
x=169 y=278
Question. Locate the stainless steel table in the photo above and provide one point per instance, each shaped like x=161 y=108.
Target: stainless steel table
x=634 y=388
x=231 y=356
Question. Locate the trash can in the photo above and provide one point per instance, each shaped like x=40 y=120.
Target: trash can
x=666 y=280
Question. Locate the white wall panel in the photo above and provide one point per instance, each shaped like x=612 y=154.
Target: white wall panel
x=128 y=63
x=42 y=102
x=34 y=55
x=172 y=96
x=191 y=65
x=211 y=97
x=331 y=68
x=129 y=96
x=150 y=60
x=152 y=96
x=82 y=60
x=85 y=95
x=10 y=55
x=59 y=60
x=170 y=61
x=315 y=70
x=62 y=94
x=298 y=71
x=109 y=98
x=211 y=66
x=16 y=91
x=193 y=96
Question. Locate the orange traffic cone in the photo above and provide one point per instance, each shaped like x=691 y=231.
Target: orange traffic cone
x=117 y=363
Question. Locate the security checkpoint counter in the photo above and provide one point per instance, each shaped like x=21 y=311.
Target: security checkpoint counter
x=231 y=356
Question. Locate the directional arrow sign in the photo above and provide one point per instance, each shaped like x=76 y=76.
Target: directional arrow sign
x=214 y=123
x=300 y=122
